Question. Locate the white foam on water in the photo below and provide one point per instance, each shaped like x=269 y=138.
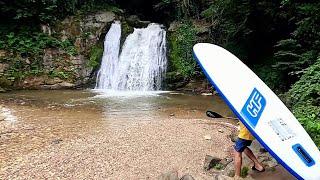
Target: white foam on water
x=126 y=94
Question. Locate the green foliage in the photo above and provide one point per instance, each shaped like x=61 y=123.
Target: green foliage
x=304 y=97
x=270 y=75
x=48 y=11
x=308 y=116
x=92 y=6
x=27 y=47
x=33 y=43
x=181 y=43
x=96 y=53
x=218 y=166
x=280 y=39
x=231 y=24
x=244 y=172
x=301 y=48
x=22 y=67
x=60 y=74
x=179 y=9
x=67 y=46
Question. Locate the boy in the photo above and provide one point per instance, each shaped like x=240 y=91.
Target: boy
x=241 y=145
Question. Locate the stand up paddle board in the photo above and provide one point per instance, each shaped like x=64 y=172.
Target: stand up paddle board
x=260 y=110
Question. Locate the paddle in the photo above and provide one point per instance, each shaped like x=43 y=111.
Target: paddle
x=213 y=114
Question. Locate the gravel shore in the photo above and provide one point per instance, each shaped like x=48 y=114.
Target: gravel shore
x=124 y=150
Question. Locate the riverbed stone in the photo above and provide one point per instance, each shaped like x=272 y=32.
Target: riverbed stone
x=62 y=85
x=229 y=170
x=221 y=177
x=207 y=137
x=66 y=85
x=210 y=162
x=226 y=161
x=187 y=177
x=172 y=175
x=56 y=141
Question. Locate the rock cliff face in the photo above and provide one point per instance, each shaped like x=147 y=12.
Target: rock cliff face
x=86 y=31
x=60 y=68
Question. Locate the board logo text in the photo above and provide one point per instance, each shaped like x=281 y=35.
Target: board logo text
x=254 y=107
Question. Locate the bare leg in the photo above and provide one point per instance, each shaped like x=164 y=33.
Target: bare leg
x=237 y=163
x=250 y=154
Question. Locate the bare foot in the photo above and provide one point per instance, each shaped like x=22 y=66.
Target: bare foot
x=258 y=167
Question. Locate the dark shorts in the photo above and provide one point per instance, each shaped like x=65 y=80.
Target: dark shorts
x=241 y=144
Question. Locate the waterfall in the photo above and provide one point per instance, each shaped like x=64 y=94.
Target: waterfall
x=110 y=57
x=141 y=64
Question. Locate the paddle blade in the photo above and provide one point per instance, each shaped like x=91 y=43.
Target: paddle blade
x=212 y=114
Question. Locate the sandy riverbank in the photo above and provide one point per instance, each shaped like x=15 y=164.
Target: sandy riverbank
x=124 y=150
x=75 y=136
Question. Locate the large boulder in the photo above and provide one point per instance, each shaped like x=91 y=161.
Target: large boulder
x=135 y=21
x=174 y=26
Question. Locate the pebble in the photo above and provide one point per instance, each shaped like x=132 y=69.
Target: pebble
x=57 y=141
x=207 y=137
x=187 y=177
x=220 y=130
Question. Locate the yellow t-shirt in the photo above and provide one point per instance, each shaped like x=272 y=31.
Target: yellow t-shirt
x=244 y=133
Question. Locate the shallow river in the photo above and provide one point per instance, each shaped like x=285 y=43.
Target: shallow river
x=49 y=134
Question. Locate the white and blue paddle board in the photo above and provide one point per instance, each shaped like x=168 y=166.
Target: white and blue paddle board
x=260 y=110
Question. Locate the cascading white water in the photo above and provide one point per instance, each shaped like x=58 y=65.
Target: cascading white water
x=142 y=62
x=110 y=57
